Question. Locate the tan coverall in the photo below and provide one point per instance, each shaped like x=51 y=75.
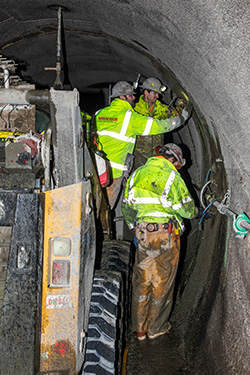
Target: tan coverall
x=154 y=274
x=155 y=193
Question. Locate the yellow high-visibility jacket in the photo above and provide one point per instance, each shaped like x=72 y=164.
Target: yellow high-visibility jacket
x=158 y=109
x=117 y=127
x=156 y=192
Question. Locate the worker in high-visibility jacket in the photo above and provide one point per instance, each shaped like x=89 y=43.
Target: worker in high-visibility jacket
x=155 y=201
x=117 y=127
x=148 y=104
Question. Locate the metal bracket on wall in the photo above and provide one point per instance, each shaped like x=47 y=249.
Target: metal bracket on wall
x=241 y=222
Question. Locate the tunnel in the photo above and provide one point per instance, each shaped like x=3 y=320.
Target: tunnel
x=200 y=50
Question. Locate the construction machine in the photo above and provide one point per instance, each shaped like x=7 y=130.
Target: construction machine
x=64 y=280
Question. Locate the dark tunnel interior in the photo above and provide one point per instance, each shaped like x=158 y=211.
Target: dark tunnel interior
x=187 y=46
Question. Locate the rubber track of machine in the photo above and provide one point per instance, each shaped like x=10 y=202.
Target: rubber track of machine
x=101 y=356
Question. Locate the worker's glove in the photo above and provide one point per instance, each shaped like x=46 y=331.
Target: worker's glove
x=186 y=112
x=180 y=103
x=202 y=214
x=169 y=112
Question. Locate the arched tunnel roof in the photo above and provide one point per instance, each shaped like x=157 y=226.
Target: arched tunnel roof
x=198 y=47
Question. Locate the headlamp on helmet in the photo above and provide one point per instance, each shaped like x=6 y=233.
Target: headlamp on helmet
x=163 y=88
x=153 y=84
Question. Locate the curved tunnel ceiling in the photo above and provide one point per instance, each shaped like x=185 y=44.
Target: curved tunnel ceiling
x=198 y=47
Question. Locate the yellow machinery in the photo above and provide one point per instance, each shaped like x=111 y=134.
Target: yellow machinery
x=64 y=281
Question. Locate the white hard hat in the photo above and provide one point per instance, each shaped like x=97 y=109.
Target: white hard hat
x=122 y=88
x=172 y=149
x=153 y=84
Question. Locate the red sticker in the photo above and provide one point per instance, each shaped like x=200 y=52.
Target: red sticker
x=62 y=347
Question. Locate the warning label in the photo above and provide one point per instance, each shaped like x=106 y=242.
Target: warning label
x=57 y=302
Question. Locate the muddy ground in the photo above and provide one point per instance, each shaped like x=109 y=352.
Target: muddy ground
x=162 y=356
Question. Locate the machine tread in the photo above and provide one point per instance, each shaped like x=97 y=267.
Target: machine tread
x=116 y=256
x=103 y=327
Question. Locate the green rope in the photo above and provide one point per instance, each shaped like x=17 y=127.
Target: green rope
x=227 y=241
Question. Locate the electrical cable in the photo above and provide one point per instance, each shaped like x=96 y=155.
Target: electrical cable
x=2 y=116
x=205 y=211
x=13 y=107
x=201 y=193
x=208 y=174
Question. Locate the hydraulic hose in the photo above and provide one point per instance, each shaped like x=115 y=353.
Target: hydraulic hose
x=202 y=192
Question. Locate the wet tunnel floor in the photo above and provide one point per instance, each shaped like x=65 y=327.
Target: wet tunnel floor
x=161 y=356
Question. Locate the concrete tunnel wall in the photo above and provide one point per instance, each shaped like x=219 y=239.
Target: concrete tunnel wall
x=211 y=53
x=206 y=47
x=202 y=48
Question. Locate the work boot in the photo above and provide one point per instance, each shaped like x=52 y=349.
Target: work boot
x=141 y=336
x=160 y=333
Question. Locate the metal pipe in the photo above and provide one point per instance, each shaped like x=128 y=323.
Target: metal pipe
x=226 y=211
x=59 y=47
x=58 y=81
x=22 y=97
x=38 y=96
x=6 y=78
x=47 y=159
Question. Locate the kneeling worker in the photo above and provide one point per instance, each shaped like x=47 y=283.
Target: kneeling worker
x=155 y=201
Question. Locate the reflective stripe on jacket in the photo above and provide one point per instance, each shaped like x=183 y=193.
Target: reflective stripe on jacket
x=158 y=111
x=117 y=127
x=156 y=192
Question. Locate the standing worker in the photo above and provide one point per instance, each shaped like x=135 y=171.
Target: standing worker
x=117 y=127
x=155 y=201
x=148 y=104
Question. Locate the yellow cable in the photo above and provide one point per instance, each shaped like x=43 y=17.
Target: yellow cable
x=124 y=360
